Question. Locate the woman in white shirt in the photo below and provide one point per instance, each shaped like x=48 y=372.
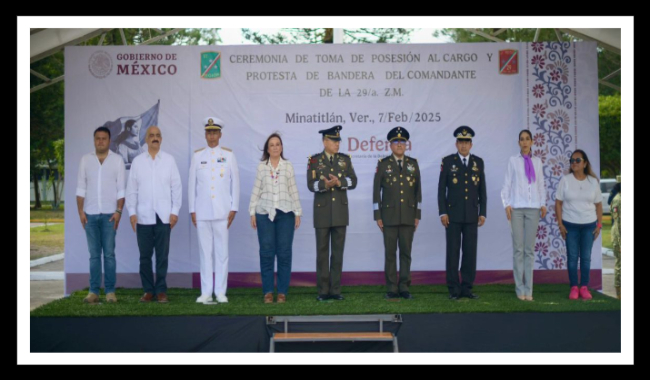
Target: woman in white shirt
x=524 y=197
x=579 y=211
x=275 y=213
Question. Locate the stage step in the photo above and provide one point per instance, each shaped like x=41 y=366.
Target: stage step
x=380 y=336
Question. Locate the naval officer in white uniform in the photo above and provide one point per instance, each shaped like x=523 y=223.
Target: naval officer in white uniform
x=213 y=201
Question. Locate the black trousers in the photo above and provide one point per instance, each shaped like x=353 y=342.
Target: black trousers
x=467 y=234
x=150 y=237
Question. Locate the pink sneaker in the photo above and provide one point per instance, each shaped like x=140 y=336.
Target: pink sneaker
x=573 y=295
x=584 y=293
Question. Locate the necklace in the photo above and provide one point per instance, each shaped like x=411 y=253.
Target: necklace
x=275 y=174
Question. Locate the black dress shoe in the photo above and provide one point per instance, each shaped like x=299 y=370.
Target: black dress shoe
x=406 y=295
x=337 y=297
x=322 y=297
x=471 y=296
x=453 y=297
x=391 y=295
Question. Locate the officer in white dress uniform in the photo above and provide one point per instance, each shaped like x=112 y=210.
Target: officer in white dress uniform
x=213 y=201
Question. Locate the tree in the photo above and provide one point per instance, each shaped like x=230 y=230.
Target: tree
x=46 y=117
x=363 y=35
x=291 y=36
x=609 y=109
x=326 y=36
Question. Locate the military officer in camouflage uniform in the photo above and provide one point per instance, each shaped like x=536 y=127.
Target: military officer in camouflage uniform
x=329 y=176
x=397 y=202
x=616 y=239
x=462 y=203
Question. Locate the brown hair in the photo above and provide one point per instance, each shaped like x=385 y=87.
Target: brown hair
x=525 y=131
x=265 y=152
x=588 y=172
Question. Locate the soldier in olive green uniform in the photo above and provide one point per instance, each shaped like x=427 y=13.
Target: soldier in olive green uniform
x=462 y=203
x=397 y=201
x=329 y=176
x=616 y=239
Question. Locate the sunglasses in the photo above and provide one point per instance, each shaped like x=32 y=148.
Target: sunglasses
x=576 y=160
x=398 y=142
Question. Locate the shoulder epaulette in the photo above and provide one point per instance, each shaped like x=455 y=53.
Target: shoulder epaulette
x=226 y=149
x=198 y=150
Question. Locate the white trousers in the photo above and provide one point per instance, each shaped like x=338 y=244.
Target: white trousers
x=213 y=243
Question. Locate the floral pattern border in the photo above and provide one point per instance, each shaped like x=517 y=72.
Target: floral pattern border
x=551 y=104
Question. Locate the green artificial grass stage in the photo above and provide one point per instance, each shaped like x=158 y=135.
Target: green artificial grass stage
x=358 y=300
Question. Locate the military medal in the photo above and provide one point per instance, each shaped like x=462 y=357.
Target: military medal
x=408 y=178
x=389 y=170
x=455 y=180
x=410 y=168
x=394 y=179
x=342 y=164
x=475 y=168
x=222 y=171
x=339 y=175
x=454 y=168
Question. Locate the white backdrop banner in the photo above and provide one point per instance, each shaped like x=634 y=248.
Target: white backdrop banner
x=497 y=89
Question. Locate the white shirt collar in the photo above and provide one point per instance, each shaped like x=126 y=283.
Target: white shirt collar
x=158 y=155
x=94 y=153
x=281 y=162
x=461 y=156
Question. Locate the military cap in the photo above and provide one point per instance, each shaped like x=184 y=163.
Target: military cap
x=332 y=133
x=213 y=123
x=398 y=133
x=464 y=133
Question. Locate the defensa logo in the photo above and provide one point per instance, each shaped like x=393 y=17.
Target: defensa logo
x=210 y=65
x=100 y=64
x=508 y=62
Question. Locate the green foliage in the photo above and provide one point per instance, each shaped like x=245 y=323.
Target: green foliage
x=364 y=35
x=609 y=110
x=326 y=36
x=508 y=35
x=291 y=36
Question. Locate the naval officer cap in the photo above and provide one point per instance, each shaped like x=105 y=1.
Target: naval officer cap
x=398 y=134
x=213 y=124
x=464 y=133
x=332 y=133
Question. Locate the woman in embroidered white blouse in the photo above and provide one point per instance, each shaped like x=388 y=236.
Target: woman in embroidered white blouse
x=524 y=198
x=275 y=212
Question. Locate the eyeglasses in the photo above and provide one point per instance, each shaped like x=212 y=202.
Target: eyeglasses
x=576 y=160
x=398 y=142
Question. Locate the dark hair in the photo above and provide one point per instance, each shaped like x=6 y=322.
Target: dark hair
x=102 y=129
x=525 y=131
x=265 y=152
x=588 y=172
